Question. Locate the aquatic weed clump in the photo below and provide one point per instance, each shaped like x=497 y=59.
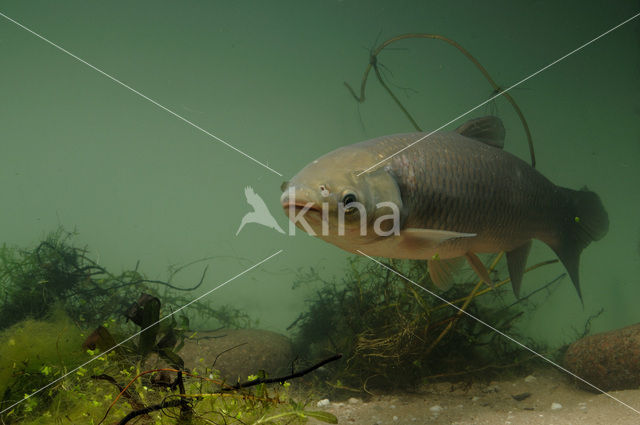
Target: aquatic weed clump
x=56 y=272
x=32 y=354
x=56 y=305
x=395 y=335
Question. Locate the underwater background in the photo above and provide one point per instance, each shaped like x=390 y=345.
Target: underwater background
x=138 y=184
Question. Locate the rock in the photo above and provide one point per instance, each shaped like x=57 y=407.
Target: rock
x=435 y=409
x=491 y=389
x=323 y=403
x=254 y=350
x=353 y=400
x=609 y=360
x=530 y=379
x=521 y=396
x=556 y=406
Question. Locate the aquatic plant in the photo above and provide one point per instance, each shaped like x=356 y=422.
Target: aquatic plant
x=109 y=390
x=375 y=65
x=252 y=401
x=51 y=297
x=395 y=335
x=34 y=353
x=56 y=272
x=54 y=294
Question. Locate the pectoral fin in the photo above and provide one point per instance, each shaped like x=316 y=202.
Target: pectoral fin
x=414 y=238
x=442 y=271
x=516 y=263
x=478 y=267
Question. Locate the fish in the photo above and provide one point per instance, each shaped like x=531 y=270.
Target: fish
x=444 y=199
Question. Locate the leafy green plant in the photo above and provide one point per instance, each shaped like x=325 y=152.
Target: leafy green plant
x=395 y=335
x=52 y=294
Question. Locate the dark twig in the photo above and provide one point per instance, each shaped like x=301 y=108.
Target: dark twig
x=254 y=382
x=282 y=379
x=587 y=325
x=104 y=377
x=227 y=350
x=149 y=409
x=295 y=322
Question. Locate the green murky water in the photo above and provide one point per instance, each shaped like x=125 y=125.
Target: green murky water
x=138 y=183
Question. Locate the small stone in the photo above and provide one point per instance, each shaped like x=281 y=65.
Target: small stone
x=475 y=398
x=556 y=406
x=393 y=406
x=435 y=409
x=395 y=418
x=521 y=396
x=323 y=403
x=353 y=400
x=530 y=378
x=491 y=389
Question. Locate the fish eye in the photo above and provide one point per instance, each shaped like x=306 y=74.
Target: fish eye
x=347 y=199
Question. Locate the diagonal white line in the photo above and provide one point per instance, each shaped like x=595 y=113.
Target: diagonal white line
x=502 y=92
x=114 y=79
x=499 y=332
x=139 y=332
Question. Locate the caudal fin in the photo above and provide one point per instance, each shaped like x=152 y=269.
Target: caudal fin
x=583 y=220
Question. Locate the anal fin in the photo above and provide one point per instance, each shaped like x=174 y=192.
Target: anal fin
x=442 y=271
x=516 y=263
x=479 y=268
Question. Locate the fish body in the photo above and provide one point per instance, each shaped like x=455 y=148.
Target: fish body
x=457 y=194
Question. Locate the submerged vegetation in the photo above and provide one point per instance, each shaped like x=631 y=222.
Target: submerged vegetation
x=375 y=65
x=75 y=349
x=394 y=334
x=33 y=281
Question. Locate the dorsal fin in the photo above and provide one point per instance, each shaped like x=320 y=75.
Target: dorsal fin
x=487 y=130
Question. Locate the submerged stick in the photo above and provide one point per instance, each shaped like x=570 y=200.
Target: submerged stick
x=373 y=64
x=181 y=401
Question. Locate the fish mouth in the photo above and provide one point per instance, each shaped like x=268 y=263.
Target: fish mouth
x=299 y=206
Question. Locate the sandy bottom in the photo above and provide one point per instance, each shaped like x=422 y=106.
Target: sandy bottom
x=553 y=399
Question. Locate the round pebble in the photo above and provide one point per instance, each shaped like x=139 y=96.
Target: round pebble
x=323 y=403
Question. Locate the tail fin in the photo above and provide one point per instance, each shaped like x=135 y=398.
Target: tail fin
x=583 y=220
